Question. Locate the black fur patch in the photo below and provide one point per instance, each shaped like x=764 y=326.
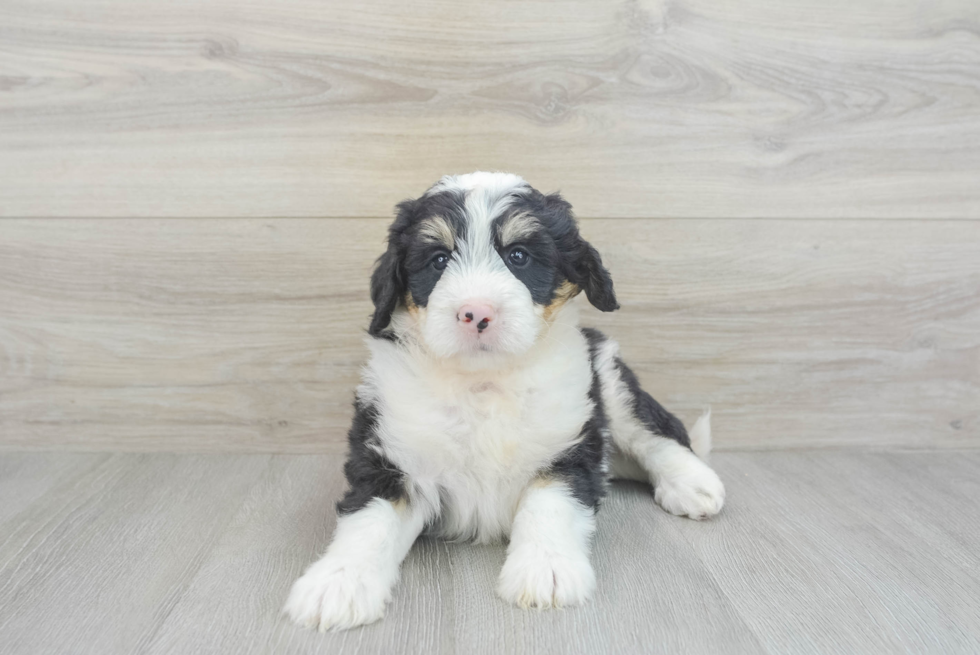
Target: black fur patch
x=542 y=274
x=560 y=251
x=369 y=473
x=646 y=410
x=406 y=265
x=583 y=465
x=595 y=339
x=421 y=275
x=649 y=412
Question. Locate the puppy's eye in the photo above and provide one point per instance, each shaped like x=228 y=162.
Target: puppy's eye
x=519 y=257
x=440 y=261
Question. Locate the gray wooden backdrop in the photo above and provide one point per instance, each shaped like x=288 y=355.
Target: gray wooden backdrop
x=787 y=194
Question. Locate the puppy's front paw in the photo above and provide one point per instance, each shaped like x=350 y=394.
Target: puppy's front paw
x=338 y=595
x=693 y=490
x=533 y=577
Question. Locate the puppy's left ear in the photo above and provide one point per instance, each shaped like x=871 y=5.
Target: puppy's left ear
x=582 y=264
x=388 y=281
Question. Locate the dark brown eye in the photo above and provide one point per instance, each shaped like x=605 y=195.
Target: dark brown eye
x=519 y=257
x=440 y=261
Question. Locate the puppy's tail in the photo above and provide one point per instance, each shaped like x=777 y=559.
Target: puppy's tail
x=700 y=435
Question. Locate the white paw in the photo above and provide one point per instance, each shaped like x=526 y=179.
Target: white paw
x=532 y=577
x=338 y=595
x=693 y=490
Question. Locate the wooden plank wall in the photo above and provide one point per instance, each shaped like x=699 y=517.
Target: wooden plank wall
x=787 y=194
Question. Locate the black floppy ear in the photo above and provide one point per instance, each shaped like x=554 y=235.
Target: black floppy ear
x=388 y=280
x=581 y=263
x=592 y=276
x=386 y=290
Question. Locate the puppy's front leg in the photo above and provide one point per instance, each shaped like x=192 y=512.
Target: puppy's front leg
x=548 y=557
x=351 y=584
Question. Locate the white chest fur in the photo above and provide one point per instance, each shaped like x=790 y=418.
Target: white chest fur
x=471 y=441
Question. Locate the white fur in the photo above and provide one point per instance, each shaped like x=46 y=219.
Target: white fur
x=683 y=484
x=492 y=184
x=472 y=440
x=351 y=584
x=548 y=557
x=700 y=436
x=471 y=277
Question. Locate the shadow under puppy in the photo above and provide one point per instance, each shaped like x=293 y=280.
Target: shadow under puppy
x=485 y=412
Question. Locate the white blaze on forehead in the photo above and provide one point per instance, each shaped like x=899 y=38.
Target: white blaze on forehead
x=488 y=195
x=496 y=184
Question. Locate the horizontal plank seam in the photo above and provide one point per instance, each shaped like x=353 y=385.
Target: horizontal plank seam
x=337 y=448
x=963 y=219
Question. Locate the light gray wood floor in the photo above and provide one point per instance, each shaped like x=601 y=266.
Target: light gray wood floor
x=816 y=551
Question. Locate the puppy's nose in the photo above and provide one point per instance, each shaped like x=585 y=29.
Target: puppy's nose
x=475 y=316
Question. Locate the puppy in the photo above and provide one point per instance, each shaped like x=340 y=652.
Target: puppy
x=485 y=412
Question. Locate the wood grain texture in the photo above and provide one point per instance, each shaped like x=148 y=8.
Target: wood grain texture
x=691 y=108
x=808 y=519
x=815 y=552
x=204 y=335
x=26 y=477
x=139 y=529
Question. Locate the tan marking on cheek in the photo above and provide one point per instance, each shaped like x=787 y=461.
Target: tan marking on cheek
x=563 y=294
x=414 y=311
x=435 y=229
x=542 y=482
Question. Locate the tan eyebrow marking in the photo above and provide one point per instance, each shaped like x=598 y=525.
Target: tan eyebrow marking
x=517 y=227
x=435 y=229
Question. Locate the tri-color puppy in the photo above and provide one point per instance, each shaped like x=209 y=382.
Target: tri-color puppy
x=486 y=413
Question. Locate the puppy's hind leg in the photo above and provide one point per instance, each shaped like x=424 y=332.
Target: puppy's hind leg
x=652 y=443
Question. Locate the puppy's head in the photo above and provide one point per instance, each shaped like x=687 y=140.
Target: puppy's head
x=480 y=264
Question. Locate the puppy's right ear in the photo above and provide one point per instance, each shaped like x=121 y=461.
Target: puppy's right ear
x=388 y=280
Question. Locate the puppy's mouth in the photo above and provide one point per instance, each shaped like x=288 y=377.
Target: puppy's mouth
x=480 y=344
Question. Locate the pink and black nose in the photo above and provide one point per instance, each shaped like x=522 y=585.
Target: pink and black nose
x=475 y=317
